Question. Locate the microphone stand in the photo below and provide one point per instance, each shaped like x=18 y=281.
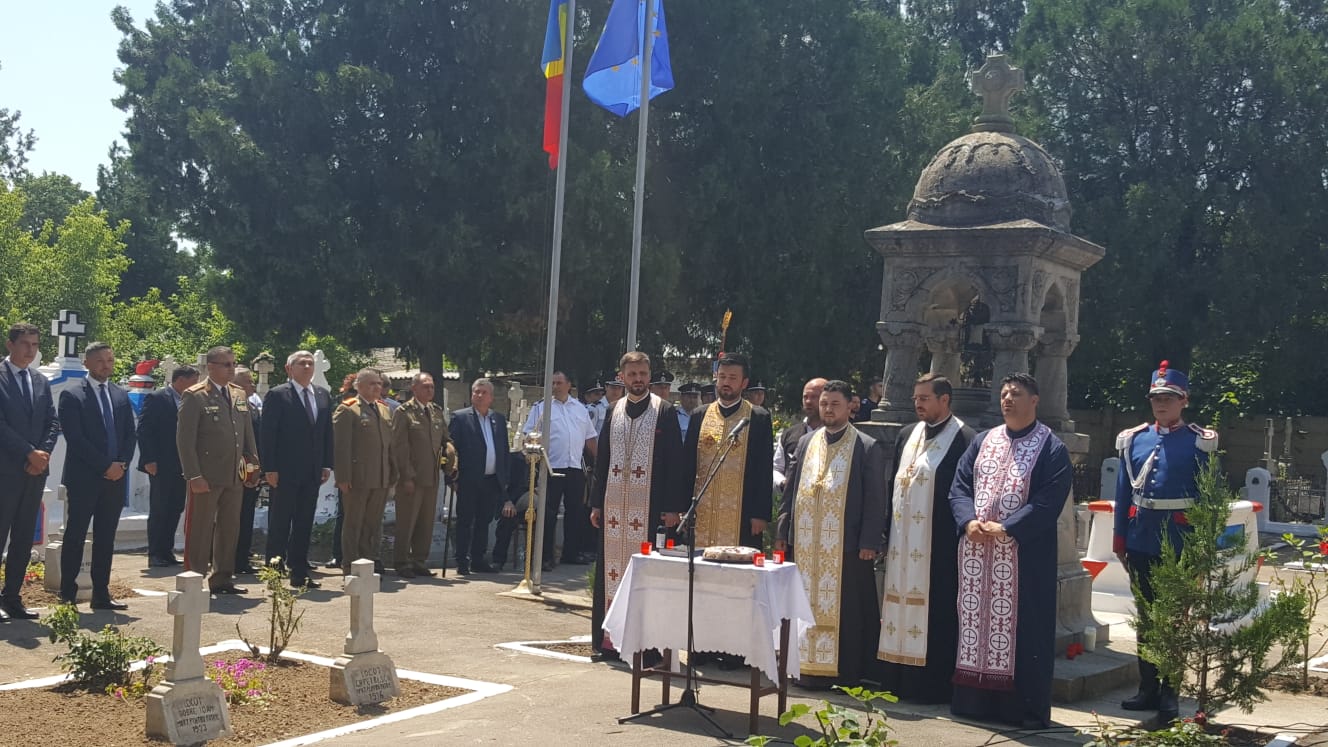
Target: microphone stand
x=688 y=698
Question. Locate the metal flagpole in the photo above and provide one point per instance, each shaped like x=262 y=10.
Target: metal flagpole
x=638 y=208
x=555 y=268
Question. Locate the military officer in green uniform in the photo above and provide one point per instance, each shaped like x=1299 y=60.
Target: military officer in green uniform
x=219 y=457
x=421 y=446
x=362 y=461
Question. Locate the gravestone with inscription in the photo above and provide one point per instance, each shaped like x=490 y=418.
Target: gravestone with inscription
x=187 y=708
x=364 y=675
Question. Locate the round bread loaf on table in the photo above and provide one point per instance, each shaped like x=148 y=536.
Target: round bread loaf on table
x=729 y=554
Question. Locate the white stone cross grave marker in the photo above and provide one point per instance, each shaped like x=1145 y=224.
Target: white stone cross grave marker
x=187 y=708
x=364 y=675
x=67 y=328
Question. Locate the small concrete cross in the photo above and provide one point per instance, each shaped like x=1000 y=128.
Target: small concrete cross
x=996 y=82
x=67 y=329
x=187 y=603
x=361 y=585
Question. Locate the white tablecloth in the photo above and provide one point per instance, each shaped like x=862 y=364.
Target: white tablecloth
x=738 y=609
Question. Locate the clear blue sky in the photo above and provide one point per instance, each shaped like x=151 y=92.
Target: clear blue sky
x=56 y=67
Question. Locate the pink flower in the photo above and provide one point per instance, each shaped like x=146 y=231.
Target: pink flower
x=150 y=659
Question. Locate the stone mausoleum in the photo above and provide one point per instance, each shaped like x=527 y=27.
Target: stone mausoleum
x=982 y=278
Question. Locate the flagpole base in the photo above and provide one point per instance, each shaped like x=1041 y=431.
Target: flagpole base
x=524 y=590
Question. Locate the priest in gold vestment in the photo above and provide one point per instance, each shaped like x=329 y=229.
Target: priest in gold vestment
x=831 y=523
x=736 y=508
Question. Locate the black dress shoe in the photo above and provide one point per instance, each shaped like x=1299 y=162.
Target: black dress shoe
x=305 y=583
x=108 y=604
x=175 y=561
x=463 y=569
x=248 y=570
x=547 y=566
x=17 y=611
x=230 y=589
x=333 y=563
x=1141 y=701
x=483 y=568
x=159 y=563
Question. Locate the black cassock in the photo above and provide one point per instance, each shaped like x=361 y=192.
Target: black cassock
x=864 y=522
x=757 y=489
x=1033 y=527
x=668 y=489
x=931 y=683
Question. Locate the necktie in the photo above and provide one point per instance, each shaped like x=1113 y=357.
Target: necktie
x=108 y=421
x=25 y=387
x=309 y=407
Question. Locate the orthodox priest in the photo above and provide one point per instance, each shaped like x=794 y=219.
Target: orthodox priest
x=737 y=505
x=639 y=484
x=832 y=522
x=919 y=623
x=1008 y=490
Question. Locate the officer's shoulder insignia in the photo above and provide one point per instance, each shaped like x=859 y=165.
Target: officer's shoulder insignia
x=348 y=401
x=1124 y=437
x=1206 y=439
x=199 y=387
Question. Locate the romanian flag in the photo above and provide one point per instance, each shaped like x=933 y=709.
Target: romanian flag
x=613 y=77
x=552 y=62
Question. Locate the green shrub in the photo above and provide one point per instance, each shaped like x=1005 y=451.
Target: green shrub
x=101 y=661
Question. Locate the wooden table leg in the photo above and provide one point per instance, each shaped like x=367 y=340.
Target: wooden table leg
x=636 y=682
x=754 y=711
x=783 y=665
x=667 y=677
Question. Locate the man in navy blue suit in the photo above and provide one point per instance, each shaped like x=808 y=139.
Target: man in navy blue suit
x=160 y=461
x=28 y=432
x=480 y=436
x=296 y=451
x=98 y=424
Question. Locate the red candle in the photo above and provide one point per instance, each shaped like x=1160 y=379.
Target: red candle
x=758 y=559
x=645 y=548
x=668 y=544
x=779 y=557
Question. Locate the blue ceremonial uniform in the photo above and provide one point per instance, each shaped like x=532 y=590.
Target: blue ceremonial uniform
x=1158 y=465
x=1155 y=487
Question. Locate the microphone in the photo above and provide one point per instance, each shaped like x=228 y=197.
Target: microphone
x=737 y=429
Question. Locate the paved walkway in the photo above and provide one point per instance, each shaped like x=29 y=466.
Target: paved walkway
x=452 y=627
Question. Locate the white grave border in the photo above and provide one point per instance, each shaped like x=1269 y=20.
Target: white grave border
x=478 y=691
x=535 y=648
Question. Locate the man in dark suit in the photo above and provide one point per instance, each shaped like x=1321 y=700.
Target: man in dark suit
x=480 y=435
x=160 y=461
x=28 y=432
x=98 y=423
x=296 y=450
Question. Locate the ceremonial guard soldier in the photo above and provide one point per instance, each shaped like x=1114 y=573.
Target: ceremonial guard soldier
x=1159 y=465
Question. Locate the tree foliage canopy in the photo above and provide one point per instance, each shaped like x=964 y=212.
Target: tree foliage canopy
x=374 y=170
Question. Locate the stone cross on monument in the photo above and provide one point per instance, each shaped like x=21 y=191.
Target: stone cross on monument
x=67 y=328
x=187 y=708
x=364 y=675
x=996 y=82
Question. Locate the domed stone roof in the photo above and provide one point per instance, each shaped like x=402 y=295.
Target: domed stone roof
x=991 y=177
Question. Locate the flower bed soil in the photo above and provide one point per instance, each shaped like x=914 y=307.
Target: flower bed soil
x=35 y=595
x=299 y=705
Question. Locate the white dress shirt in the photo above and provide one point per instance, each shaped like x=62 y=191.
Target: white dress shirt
x=569 y=429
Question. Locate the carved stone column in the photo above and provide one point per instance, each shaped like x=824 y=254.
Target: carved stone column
x=1053 y=381
x=903 y=344
x=1010 y=344
x=944 y=347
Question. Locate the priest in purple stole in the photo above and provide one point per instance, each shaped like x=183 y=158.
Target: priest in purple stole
x=639 y=484
x=1008 y=492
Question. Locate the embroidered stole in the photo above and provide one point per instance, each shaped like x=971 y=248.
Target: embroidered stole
x=989 y=571
x=626 y=519
x=719 y=520
x=908 y=564
x=818 y=541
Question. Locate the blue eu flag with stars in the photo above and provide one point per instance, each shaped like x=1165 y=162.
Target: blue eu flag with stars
x=613 y=77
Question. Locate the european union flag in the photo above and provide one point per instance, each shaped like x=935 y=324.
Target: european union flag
x=613 y=77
